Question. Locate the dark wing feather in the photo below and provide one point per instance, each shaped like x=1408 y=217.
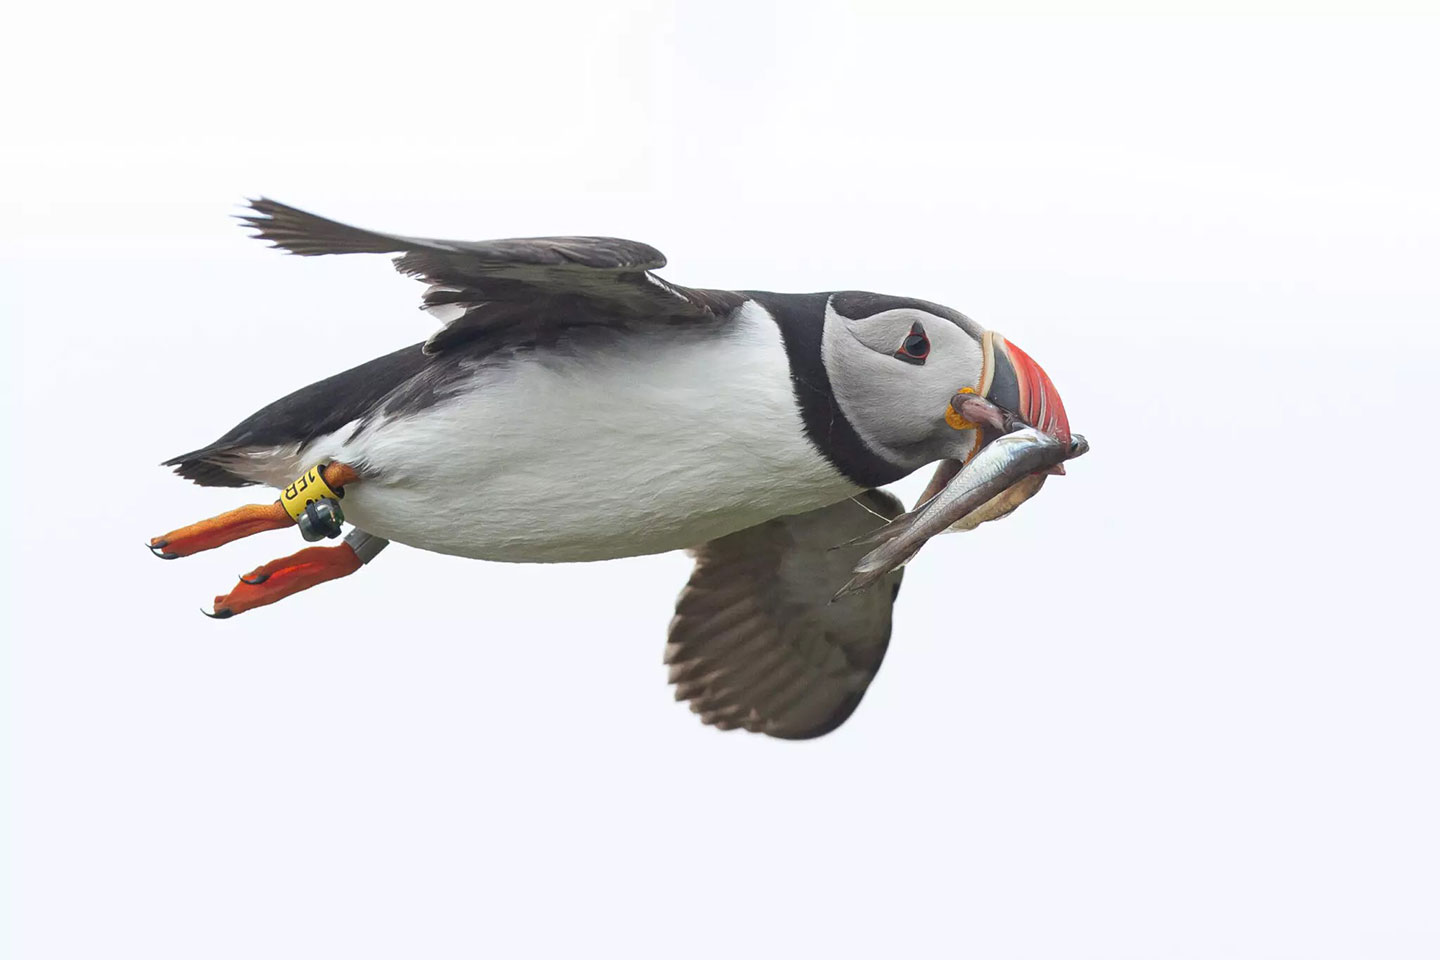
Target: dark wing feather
x=756 y=642
x=508 y=292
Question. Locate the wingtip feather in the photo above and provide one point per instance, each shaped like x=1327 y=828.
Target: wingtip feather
x=310 y=235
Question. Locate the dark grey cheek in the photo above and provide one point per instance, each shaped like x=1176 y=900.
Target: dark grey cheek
x=1004 y=390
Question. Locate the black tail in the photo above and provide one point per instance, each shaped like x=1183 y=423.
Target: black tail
x=205 y=467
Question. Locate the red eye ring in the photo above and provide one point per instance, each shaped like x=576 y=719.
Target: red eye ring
x=916 y=346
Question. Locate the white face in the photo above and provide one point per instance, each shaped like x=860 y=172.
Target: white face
x=896 y=400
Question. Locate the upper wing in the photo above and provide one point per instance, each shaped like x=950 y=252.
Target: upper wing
x=756 y=641
x=508 y=291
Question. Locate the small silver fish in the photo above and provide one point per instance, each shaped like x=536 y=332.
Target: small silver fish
x=997 y=479
x=1001 y=505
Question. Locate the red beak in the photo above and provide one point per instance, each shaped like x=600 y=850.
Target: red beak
x=1034 y=398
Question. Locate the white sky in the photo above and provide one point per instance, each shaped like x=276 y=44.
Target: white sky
x=1181 y=705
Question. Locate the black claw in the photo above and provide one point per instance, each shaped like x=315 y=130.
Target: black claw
x=257 y=581
x=158 y=548
x=223 y=614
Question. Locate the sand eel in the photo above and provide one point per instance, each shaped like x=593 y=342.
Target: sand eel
x=574 y=406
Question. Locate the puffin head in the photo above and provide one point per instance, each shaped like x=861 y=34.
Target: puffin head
x=895 y=366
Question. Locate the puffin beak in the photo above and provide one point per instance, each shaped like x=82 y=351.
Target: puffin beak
x=1024 y=395
x=1014 y=392
x=1014 y=381
x=1021 y=434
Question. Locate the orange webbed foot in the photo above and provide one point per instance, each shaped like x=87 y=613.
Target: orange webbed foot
x=220 y=530
x=279 y=579
x=316 y=484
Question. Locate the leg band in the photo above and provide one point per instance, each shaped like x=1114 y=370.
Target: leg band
x=365 y=545
x=309 y=488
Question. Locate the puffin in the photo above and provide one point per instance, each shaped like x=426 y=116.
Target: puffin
x=575 y=406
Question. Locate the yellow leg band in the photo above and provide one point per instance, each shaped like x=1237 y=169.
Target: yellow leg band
x=309 y=488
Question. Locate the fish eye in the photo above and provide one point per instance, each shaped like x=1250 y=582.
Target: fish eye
x=916 y=346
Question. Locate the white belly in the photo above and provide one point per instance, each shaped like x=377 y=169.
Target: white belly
x=633 y=444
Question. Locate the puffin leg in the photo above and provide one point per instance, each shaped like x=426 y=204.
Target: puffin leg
x=243 y=521
x=281 y=578
x=220 y=530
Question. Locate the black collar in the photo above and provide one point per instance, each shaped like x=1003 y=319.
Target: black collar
x=801 y=318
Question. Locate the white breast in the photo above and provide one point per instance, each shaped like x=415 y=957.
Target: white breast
x=632 y=444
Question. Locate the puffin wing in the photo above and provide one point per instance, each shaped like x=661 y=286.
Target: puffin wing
x=756 y=641
x=508 y=292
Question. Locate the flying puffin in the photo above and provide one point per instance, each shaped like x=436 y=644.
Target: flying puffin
x=575 y=406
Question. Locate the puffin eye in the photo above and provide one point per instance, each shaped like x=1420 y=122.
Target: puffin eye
x=916 y=346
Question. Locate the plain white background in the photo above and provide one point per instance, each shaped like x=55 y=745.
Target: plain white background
x=1181 y=705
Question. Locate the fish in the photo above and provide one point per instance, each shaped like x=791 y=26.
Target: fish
x=1001 y=505
x=1006 y=472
